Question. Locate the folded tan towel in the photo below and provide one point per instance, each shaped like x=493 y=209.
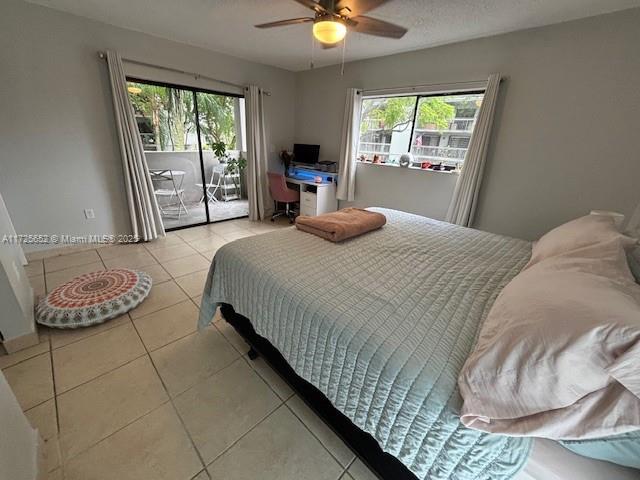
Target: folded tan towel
x=341 y=225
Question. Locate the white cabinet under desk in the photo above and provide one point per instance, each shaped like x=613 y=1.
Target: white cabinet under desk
x=315 y=198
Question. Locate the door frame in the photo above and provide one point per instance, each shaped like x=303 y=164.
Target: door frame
x=194 y=91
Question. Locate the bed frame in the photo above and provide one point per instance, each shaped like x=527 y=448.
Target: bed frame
x=386 y=466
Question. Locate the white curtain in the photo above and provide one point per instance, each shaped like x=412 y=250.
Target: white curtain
x=349 y=145
x=256 y=153
x=465 y=196
x=145 y=216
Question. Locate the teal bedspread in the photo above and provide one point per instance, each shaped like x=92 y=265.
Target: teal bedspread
x=382 y=325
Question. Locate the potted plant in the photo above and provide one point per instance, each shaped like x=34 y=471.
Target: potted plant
x=287 y=158
x=220 y=151
x=237 y=165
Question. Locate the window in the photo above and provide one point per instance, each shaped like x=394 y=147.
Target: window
x=433 y=128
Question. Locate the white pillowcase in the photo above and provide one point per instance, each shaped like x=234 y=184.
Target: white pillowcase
x=578 y=233
x=559 y=353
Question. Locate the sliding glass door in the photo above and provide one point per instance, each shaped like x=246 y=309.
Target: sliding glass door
x=193 y=142
x=221 y=122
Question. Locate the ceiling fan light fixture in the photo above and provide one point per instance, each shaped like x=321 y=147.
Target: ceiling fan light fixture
x=329 y=31
x=134 y=90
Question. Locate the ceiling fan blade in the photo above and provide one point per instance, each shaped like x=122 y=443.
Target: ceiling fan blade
x=357 y=7
x=373 y=26
x=312 y=5
x=282 y=23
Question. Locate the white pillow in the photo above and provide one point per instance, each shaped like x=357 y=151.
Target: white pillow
x=559 y=353
x=578 y=233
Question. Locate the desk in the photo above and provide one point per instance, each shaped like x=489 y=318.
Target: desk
x=315 y=198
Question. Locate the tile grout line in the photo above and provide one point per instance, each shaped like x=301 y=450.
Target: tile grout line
x=180 y=286
x=24 y=359
x=250 y=364
x=175 y=409
x=233 y=444
x=44 y=267
x=353 y=460
x=246 y=433
x=87 y=448
x=171 y=400
x=41 y=403
x=286 y=403
x=73 y=342
x=61 y=460
x=102 y=374
x=171 y=342
x=171 y=246
x=163 y=308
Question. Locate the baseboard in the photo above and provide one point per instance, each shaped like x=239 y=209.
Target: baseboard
x=14 y=345
x=62 y=250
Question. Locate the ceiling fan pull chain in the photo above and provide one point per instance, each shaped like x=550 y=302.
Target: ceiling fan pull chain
x=313 y=45
x=344 y=47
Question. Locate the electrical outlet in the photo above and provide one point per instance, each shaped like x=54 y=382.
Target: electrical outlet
x=88 y=213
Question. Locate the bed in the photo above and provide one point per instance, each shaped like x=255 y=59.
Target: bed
x=372 y=333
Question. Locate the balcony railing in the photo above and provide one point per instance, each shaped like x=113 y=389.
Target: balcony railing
x=463 y=124
x=371 y=147
x=456 y=125
x=444 y=153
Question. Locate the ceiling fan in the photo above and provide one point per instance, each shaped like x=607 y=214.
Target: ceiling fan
x=333 y=18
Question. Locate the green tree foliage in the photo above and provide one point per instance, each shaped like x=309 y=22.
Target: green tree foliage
x=217 y=119
x=435 y=111
x=396 y=113
x=171 y=113
x=390 y=114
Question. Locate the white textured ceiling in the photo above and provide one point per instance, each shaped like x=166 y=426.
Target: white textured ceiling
x=227 y=25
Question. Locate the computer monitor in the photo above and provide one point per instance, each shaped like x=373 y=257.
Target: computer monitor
x=303 y=153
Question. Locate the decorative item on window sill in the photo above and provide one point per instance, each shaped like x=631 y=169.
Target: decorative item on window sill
x=439 y=167
x=406 y=159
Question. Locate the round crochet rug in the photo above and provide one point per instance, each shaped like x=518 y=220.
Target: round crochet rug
x=93 y=298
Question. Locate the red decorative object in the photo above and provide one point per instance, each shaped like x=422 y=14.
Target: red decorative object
x=93 y=298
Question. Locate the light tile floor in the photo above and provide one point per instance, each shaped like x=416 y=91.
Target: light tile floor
x=147 y=396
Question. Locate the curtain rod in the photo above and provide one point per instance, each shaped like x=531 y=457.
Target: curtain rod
x=408 y=88
x=197 y=76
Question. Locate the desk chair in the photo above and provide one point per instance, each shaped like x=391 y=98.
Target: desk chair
x=282 y=194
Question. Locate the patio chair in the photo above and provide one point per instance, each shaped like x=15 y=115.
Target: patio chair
x=219 y=182
x=175 y=191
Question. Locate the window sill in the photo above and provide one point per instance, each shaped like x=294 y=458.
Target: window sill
x=418 y=169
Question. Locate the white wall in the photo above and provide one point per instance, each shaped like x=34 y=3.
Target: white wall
x=16 y=294
x=18 y=441
x=59 y=152
x=565 y=139
x=422 y=192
